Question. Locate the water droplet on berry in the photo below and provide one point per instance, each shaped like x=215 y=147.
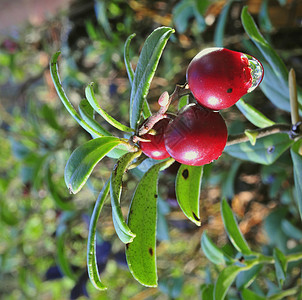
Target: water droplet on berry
x=256 y=71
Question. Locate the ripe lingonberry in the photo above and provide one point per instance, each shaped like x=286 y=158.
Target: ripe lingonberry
x=219 y=77
x=155 y=148
x=197 y=136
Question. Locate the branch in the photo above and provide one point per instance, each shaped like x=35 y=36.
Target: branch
x=261 y=132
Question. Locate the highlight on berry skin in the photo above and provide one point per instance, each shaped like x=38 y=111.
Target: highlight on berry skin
x=219 y=77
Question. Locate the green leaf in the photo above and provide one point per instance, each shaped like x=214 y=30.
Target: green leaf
x=183 y=101
x=61 y=93
x=146 y=66
x=121 y=228
x=224 y=281
x=222 y=19
x=207 y=292
x=295 y=152
x=94 y=103
x=280 y=266
x=212 y=252
x=93 y=271
x=183 y=12
x=232 y=229
x=141 y=253
x=266 y=150
x=267 y=51
x=253 y=115
x=83 y=160
x=277 y=93
x=246 y=278
x=86 y=112
x=146 y=110
x=127 y=61
x=290 y=230
x=188 y=182
x=250 y=295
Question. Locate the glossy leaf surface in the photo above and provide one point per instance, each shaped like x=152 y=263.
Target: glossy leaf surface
x=89 y=92
x=121 y=228
x=93 y=271
x=59 y=88
x=297 y=163
x=86 y=111
x=250 y=295
x=130 y=72
x=266 y=150
x=280 y=266
x=253 y=115
x=141 y=253
x=145 y=70
x=224 y=281
x=232 y=229
x=188 y=182
x=246 y=278
x=212 y=252
x=83 y=160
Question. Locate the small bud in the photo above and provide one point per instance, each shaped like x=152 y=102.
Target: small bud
x=163 y=99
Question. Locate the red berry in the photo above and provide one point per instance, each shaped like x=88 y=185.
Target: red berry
x=219 y=77
x=197 y=136
x=156 y=147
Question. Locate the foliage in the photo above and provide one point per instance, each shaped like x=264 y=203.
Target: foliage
x=38 y=213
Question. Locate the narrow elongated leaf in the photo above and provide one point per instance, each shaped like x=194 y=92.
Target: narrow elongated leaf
x=86 y=112
x=219 y=31
x=146 y=66
x=61 y=93
x=246 y=278
x=83 y=160
x=146 y=110
x=250 y=295
x=290 y=230
x=280 y=266
x=188 y=182
x=89 y=92
x=93 y=271
x=121 y=228
x=253 y=115
x=267 y=51
x=232 y=229
x=212 y=252
x=141 y=253
x=297 y=163
x=127 y=61
x=266 y=150
x=207 y=292
x=224 y=281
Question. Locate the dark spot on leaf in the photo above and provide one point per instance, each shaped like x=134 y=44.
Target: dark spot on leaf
x=230 y=90
x=241 y=259
x=270 y=149
x=127 y=245
x=151 y=251
x=185 y=173
x=155 y=196
x=195 y=217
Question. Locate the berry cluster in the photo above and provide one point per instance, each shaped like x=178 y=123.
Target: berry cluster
x=217 y=78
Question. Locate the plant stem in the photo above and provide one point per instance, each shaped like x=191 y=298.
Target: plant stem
x=261 y=132
x=293 y=96
x=180 y=90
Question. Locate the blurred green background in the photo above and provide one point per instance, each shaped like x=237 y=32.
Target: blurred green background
x=42 y=227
